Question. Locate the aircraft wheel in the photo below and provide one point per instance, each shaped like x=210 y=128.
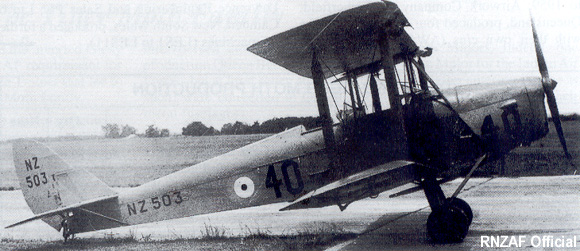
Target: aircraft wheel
x=461 y=204
x=449 y=224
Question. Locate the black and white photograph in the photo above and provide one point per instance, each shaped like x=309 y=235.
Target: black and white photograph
x=289 y=125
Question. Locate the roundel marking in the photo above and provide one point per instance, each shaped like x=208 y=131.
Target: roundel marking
x=244 y=187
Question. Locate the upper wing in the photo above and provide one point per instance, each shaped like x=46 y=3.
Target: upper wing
x=358 y=186
x=344 y=41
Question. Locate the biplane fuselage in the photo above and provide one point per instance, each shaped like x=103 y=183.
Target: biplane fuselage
x=287 y=165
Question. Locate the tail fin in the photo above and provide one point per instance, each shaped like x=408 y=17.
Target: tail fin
x=48 y=183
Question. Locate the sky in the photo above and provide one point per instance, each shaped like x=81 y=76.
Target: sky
x=69 y=67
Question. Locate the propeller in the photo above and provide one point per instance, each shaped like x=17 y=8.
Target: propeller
x=549 y=84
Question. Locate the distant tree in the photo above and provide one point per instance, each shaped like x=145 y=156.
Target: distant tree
x=236 y=128
x=241 y=128
x=212 y=131
x=274 y=125
x=197 y=128
x=277 y=125
x=227 y=129
x=111 y=130
x=152 y=132
x=570 y=117
x=312 y=122
x=255 y=128
x=128 y=130
x=164 y=133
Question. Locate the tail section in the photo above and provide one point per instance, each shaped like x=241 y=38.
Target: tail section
x=48 y=183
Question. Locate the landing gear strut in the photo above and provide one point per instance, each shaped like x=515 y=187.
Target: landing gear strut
x=450 y=218
x=67 y=226
x=65 y=230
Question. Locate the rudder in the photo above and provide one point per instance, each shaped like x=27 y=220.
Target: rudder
x=49 y=183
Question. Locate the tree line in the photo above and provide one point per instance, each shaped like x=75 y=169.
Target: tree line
x=568 y=117
x=197 y=128
x=116 y=131
x=275 y=125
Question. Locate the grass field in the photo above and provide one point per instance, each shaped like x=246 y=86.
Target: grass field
x=132 y=161
x=311 y=240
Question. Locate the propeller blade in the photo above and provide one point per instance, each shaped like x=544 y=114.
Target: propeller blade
x=556 y=119
x=549 y=86
x=540 y=56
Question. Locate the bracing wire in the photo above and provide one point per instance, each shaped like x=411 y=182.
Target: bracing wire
x=328 y=85
x=332 y=95
x=365 y=91
x=397 y=74
x=335 y=77
x=323 y=29
x=369 y=78
x=366 y=87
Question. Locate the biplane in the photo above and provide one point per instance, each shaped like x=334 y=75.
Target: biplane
x=426 y=136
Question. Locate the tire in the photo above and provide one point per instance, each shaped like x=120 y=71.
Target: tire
x=448 y=225
x=461 y=204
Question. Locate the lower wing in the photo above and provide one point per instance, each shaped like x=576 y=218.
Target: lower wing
x=358 y=186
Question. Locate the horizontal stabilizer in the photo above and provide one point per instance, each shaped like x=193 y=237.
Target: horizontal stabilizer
x=70 y=208
x=358 y=186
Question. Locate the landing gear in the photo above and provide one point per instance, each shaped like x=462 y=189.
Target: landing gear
x=451 y=222
x=65 y=230
x=67 y=225
x=450 y=218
